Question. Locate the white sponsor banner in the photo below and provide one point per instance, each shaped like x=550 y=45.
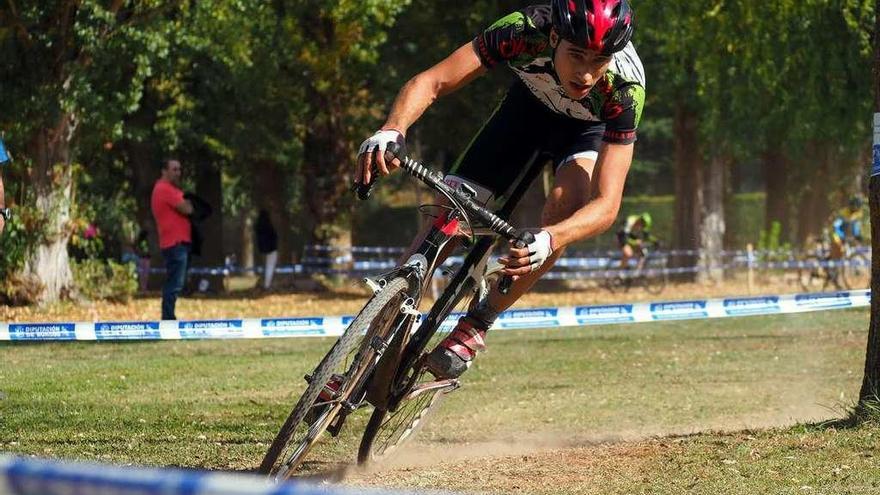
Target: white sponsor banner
x=531 y=318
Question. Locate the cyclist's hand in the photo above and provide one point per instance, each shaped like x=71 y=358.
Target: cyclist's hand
x=521 y=261
x=372 y=152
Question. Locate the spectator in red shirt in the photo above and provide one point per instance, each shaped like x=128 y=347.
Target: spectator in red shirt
x=171 y=212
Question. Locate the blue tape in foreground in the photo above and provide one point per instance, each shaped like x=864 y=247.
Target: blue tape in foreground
x=19 y=476
x=322 y=326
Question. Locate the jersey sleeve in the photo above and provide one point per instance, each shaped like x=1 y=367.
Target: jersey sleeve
x=622 y=113
x=515 y=36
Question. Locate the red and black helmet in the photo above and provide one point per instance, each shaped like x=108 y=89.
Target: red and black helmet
x=602 y=25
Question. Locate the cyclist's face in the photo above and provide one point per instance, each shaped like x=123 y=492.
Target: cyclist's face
x=579 y=69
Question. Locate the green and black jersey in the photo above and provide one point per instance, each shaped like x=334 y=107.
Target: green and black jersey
x=522 y=40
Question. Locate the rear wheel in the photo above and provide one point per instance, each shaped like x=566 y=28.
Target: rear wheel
x=388 y=430
x=617 y=279
x=351 y=356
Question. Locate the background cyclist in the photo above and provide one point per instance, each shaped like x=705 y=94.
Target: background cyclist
x=577 y=101
x=633 y=237
x=846 y=225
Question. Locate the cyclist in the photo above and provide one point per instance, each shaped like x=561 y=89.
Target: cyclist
x=4 y=211
x=577 y=100
x=847 y=222
x=634 y=236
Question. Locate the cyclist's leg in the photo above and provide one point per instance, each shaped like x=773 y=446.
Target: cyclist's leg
x=575 y=146
x=495 y=156
x=639 y=254
x=571 y=192
x=626 y=254
x=503 y=150
x=626 y=251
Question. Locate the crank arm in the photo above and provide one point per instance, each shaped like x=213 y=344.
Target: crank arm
x=440 y=385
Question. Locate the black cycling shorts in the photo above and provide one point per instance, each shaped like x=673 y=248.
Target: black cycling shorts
x=519 y=130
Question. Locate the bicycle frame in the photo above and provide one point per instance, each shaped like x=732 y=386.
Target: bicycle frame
x=421 y=265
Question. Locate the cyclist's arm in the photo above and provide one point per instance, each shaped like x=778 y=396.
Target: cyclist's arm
x=454 y=72
x=599 y=214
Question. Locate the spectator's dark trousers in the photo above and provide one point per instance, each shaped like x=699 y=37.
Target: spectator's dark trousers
x=175 y=275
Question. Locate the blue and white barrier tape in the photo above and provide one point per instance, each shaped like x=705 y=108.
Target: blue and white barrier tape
x=581 y=268
x=322 y=326
x=20 y=476
x=591 y=253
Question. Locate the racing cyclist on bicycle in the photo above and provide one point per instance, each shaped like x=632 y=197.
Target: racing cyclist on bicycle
x=577 y=100
x=633 y=238
x=845 y=224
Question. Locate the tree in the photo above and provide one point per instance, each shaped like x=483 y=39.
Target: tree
x=70 y=67
x=870 y=391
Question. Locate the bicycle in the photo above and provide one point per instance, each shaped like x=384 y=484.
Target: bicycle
x=378 y=360
x=820 y=270
x=649 y=273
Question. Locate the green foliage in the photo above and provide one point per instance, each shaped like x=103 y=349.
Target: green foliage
x=105 y=280
x=242 y=83
x=770 y=245
x=400 y=221
x=21 y=234
x=15 y=242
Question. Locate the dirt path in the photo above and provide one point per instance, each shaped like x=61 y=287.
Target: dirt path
x=536 y=463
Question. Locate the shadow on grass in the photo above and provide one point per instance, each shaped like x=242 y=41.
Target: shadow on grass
x=865 y=412
x=257 y=294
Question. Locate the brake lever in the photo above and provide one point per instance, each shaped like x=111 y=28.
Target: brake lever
x=364 y=190
x=523 y=240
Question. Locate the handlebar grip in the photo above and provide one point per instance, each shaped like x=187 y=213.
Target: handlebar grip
x=392 y=152
x=364 y=190
x=524 y=240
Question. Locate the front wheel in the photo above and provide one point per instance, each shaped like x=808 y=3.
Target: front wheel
x=855 y=272
x=654 y=276
x=812 y=276
x=332 y=383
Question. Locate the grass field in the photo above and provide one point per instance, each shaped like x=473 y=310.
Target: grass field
x=217 y=404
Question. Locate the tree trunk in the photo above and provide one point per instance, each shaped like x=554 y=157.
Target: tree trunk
x=814 y=207
x=144 y=160
x=688 y=184
x=870 y=391
x=209 y=187
x=51 y=180
x=327 y=165
x=712 y=225
x=776 y=173
x=271 y=194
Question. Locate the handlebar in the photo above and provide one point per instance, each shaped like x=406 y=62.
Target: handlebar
x=469 y=207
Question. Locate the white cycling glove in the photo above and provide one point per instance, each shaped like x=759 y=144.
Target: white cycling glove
x=540 y=249
x=380 y=140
